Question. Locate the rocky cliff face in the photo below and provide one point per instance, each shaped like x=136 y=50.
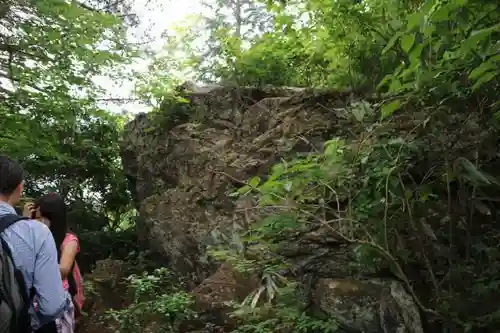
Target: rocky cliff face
x=181 y=178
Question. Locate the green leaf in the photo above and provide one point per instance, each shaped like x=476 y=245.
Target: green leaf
x=407 y=42
x=443 y=13
x=389 y=108
x=245 y=189
x=415 y=20
x=429 y=30
x=474 y=174
x=395 y=85
x=358 y=113
x=481 y=69
x=486 y=31
x=234 y=194
x=470 y=44
x=391 y=42
x=332 y=147
x=254 y=182
x=484 y=79
x=384 y=81
x=415 y=54
x=482 y=208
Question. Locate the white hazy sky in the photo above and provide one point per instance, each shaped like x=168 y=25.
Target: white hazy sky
x=156 y=16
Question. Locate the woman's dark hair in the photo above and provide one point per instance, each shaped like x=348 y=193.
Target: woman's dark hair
x=53 y=208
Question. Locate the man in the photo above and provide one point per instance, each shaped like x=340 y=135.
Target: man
x=33 y=250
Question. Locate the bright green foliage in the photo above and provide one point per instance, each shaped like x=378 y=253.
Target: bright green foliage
x=156 y=299
x=313 y=44
x=354 y=44
x=231 y=25
x=448 y=49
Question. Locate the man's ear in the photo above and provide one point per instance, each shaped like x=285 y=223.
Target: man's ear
x=17 y=194
x=20 y=188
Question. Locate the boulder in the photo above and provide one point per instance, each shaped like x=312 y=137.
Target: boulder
x=181 y=170
x=216 y=296
x=181 y=177
x=368 y=306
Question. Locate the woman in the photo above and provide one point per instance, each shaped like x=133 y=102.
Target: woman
x=50 y=209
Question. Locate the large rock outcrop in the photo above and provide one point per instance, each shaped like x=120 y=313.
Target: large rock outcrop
x=181 y=176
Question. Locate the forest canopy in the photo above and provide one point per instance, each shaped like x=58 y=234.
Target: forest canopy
x=49 y=105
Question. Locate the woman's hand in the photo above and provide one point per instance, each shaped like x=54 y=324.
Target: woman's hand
x=29 y=209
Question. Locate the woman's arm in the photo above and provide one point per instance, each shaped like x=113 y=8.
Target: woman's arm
x=68 y=257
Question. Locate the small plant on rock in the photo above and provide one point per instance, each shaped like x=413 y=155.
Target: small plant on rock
x=158 y=304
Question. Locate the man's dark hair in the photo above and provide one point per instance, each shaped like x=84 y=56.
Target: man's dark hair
x=11 y=175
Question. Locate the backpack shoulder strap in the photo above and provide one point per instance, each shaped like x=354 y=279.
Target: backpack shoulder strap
x=5 y=222
x=8 y=220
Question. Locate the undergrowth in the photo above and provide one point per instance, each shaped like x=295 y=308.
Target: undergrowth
x=283 y=315
x=158 y=304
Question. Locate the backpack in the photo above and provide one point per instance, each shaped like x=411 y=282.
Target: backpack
x=14 y=300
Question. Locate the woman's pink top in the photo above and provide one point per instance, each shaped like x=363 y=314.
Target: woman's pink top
x=79 y=297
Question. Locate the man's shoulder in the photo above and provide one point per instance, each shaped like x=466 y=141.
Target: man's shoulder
x=29 y=229
x=35 y=225
x=38 y=228
x=26 y=238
